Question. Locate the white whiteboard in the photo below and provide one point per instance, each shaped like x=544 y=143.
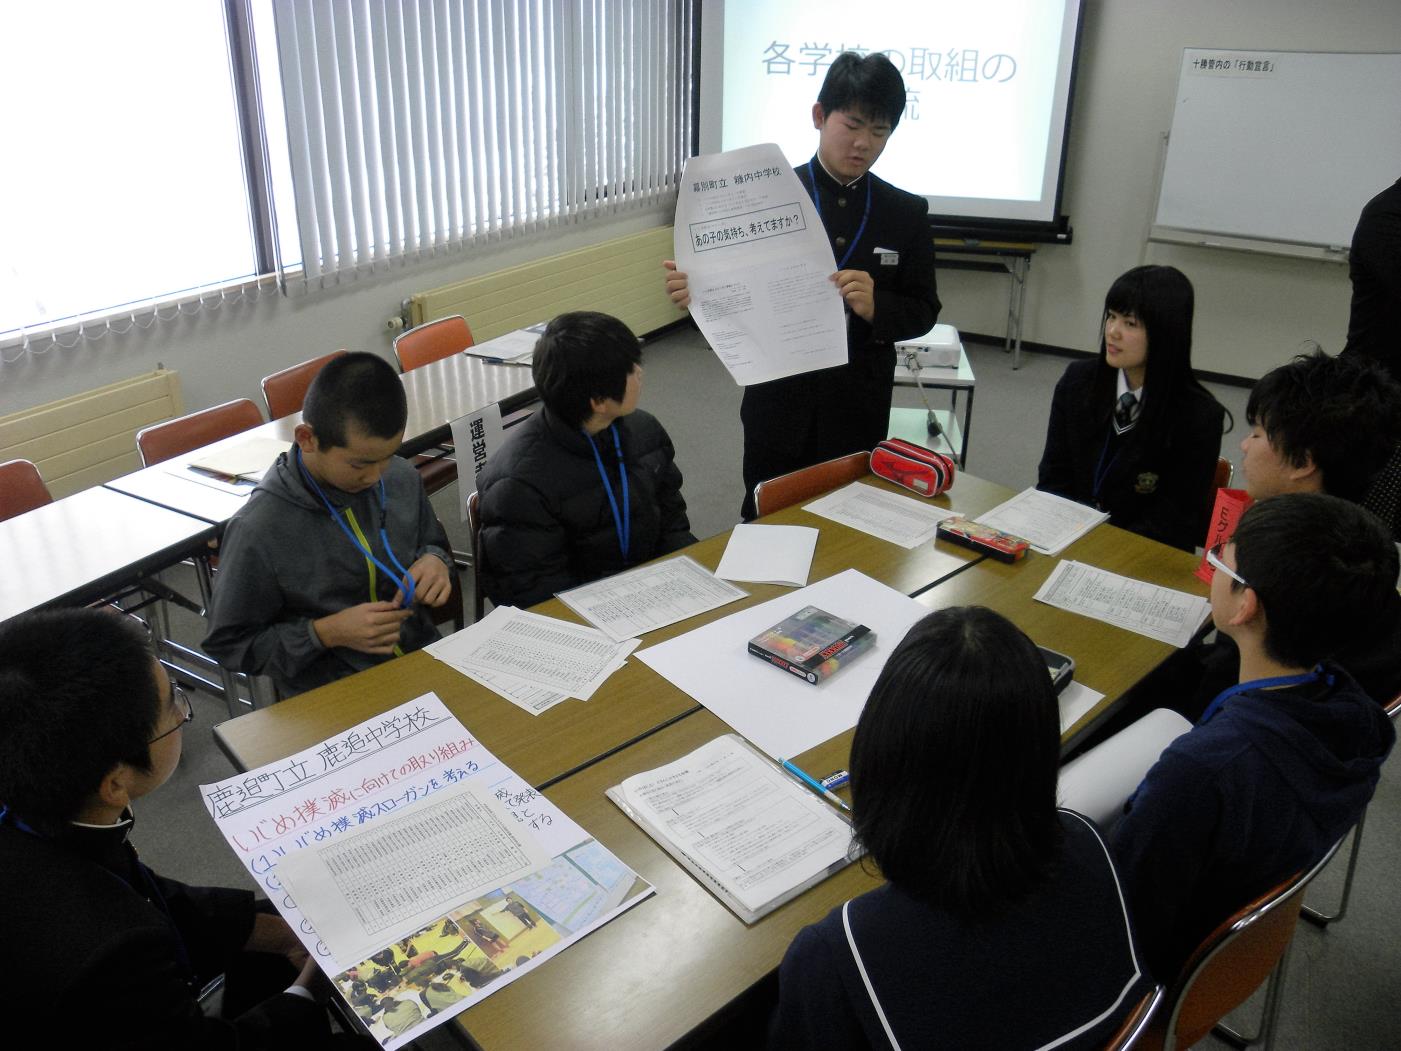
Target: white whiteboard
x=1282 y=146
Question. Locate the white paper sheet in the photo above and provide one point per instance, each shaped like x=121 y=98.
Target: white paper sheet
x=553 y=654
x=516 y=346
x=759 y=266
x=769 y=554
x=476 y=437
x=1148 y=609
x=748 y=825
x=901 y=520
x=246 y=459
x=1075 y=700
x=384 y=881
x=524 y=695
x=649 y=597
x=1099 y=782
x=402 y=763
x=1049 y=523
x=780 y=713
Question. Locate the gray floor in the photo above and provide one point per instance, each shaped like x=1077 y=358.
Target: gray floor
x=1343 y=982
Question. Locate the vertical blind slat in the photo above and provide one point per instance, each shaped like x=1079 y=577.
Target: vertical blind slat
x=416 y=125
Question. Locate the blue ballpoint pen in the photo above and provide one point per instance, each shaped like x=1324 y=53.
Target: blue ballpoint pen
x=815 y=785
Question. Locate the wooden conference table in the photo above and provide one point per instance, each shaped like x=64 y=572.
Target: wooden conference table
x=633 y=703
x=657 y=972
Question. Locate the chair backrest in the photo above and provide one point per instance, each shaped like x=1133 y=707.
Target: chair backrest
x=284 y=391
x=1225 y=471
x=1235 y=959
x=432 y=341
x=1137 y=1021
x=161 y=441
x=21 y=489
x=788 y=489
x=474 y=525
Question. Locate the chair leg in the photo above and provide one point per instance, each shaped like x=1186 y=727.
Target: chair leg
x=1322 y=919
x=1268 y=1016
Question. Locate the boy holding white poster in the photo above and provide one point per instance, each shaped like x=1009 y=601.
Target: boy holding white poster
x=884 y=252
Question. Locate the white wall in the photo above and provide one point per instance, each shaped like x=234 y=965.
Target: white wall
x=224 y=354
x=1252 y=310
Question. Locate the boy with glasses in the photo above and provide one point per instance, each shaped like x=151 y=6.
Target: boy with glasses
x=1282 y=763
x=111 y=954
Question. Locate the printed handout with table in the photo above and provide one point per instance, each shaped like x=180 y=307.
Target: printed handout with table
x=419 y=871
x=739 y=824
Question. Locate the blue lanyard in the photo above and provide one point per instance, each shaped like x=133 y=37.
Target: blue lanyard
x=1263 y=684
x=817 y=200
x=402 y=574
x=623 y=524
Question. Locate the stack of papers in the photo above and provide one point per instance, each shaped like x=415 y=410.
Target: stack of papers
x=533 y=661
x=515 y=347
x=1049 y=523
x=649 y=597
x=1135 y=605
x=902 y=520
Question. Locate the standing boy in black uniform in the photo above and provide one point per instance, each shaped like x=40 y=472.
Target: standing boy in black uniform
x=885 y=274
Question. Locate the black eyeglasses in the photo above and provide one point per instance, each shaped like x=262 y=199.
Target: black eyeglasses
x=183 y=706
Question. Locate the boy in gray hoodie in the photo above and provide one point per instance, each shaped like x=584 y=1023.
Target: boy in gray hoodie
x=331 y=566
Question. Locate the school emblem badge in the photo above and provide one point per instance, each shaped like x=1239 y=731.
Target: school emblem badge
x=1146 y=483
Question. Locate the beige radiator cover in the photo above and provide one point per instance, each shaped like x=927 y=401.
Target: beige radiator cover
x=90 y=438
x=622 y=277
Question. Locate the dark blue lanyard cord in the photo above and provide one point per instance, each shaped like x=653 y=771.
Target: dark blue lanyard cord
x=623 y=524
x=1263 y=684
x=1241 y=687
x=403 y=574
x=817 y=200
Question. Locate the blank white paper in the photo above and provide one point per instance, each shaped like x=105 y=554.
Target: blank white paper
x=769 y=554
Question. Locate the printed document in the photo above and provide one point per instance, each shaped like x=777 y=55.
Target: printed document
x=249 y=459
x=1148 y=609
x=780 y=713
x=640 y=600
x=554 y=654
x=769 y=554
x=759 y=266
x=739 y=823
x=1049 y=523
x=517 y=346
x=902 y=520
x=404 y=853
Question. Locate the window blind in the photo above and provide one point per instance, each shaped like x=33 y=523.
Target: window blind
x=423 y=126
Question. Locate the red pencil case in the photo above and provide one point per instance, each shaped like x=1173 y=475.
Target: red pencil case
x=913 y=466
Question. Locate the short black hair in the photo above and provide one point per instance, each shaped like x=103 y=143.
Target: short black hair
x=1343 y=413
x=581 y=356
x=78 y=696
x=1321 y=567
x=954 y=764
x=868 y=85
x=358 y=389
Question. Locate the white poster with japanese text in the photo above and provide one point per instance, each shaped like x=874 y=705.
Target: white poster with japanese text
x=759 y=266
x=420 y=871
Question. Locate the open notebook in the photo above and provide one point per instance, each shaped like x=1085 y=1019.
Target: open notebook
x=738 y=823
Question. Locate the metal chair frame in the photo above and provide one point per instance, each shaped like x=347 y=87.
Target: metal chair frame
x=1318 y=917
x=1285 y=897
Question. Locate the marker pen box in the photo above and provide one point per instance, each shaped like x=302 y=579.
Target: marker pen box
x=992 y=542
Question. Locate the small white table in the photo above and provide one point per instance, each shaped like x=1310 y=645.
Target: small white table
x=912 y=424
